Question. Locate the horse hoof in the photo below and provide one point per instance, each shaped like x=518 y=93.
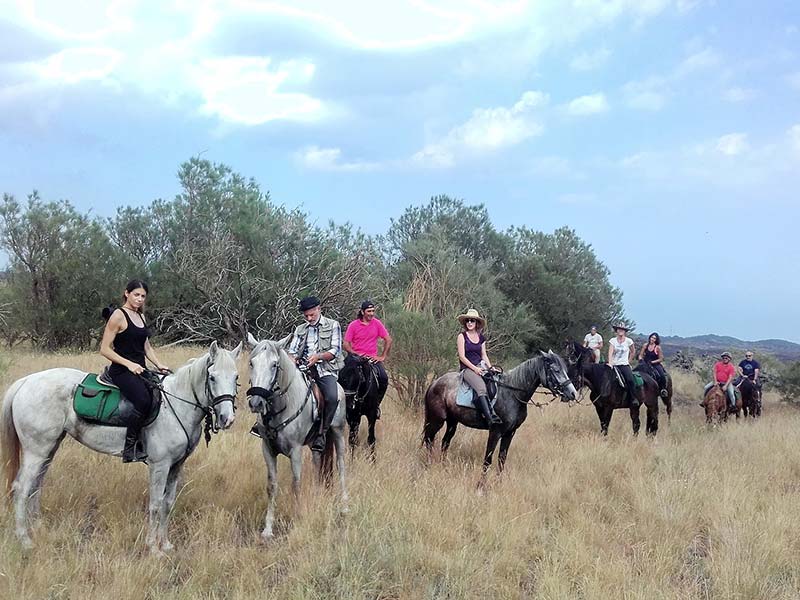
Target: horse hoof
x=344 y=510
x=167 y=547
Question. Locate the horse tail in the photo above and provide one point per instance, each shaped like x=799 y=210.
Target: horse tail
x=326 y=460
x=9 y=440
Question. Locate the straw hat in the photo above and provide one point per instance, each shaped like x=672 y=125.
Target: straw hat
x=472 y=314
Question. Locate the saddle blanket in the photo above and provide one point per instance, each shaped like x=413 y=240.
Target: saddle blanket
x=104 y=405
x=465 y=395
x=637 y=378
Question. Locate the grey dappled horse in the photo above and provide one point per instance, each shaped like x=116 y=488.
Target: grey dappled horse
x=281 y=396
x=515 y=389
x=37 y=414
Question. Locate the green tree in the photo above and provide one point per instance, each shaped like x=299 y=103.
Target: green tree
x=568 y=288
x=63 y=268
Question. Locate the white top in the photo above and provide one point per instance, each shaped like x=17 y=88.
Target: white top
x=621 y=353
x=593 y=341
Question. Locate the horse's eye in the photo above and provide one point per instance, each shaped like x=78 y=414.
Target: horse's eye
x=211 y=378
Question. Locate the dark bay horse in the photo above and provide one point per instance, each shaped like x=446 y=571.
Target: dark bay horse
x=751 y=398
x=607 y=394
x=647 y=369
x=515 y=388
x=361 y=388
x=716 y=406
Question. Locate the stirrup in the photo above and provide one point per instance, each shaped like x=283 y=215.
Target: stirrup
x=254 y=430
x=664 y=393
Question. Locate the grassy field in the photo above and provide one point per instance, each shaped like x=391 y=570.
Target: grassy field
x=696 y=513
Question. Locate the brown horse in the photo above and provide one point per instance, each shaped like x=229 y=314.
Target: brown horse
x=515 y=389
x=716 y=405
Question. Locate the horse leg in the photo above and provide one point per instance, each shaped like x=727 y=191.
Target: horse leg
x=429 y=432
x=159 y=473
x=173 y=478
x=605 y=413
x=34 y=508
x=353 y=422
x=371 y=439
x=24 y=483
x=491 y=444
x=338 y=442
x=505 y=442
x=635 y=421
x=652 y=418
x=272 y=491
x=452 y=424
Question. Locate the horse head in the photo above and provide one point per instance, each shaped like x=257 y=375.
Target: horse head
x=554 y=375
x=222 y=381
x=266 y=358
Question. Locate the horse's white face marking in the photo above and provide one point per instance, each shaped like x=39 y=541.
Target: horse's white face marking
x=264 y=364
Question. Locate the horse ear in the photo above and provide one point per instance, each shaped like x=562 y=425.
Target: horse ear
x=252 y=342
x=237 y=351
x=542 y=352
x=284 y=342
x=212 y=351
x=550 y=351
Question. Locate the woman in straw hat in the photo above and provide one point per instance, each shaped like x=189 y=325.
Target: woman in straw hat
x=471 y=345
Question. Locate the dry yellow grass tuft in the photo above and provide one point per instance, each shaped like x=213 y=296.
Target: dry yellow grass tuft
x=696 y=513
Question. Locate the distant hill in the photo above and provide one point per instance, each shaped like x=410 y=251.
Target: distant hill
x=710 y=343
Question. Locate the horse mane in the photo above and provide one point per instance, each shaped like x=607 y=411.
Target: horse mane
x=521 y=375
x=186 y=374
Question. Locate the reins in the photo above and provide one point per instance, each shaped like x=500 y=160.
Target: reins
x=156 y=379
x=275 y=390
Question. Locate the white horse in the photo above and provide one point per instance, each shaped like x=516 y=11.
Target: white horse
x=37 y=413
x=282 y=398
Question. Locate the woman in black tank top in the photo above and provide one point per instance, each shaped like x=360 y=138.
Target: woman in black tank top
x=651 y=354
x=125 y=343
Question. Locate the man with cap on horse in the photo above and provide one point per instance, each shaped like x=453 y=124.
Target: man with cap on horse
x=317 y=343
x=724 y=372
x=361 y=340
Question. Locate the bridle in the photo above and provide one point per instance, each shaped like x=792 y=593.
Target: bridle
x=269 y=394
x=551 y=383
x=156 y=379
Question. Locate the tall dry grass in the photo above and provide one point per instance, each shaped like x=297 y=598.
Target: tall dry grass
x=696 y=513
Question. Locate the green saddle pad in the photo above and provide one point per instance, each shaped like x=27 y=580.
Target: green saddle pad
x=638 y=379
x=100 y=404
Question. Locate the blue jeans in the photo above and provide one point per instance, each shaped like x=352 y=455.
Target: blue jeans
x=728 y=390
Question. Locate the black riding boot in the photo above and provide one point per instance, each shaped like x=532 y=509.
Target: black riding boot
x=486 y=410
x=329 y=412
x=134 y=450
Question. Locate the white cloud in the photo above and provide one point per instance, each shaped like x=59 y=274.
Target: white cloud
x=590 y=61
x=591 y=104
x=87 y=21
x=650 y=94
x=487 y=130
x=793 y=79
x=739 y=95
x=330 y=159
x=247 y=90
x=78 y=64
x=705 y=59
x=732 y=144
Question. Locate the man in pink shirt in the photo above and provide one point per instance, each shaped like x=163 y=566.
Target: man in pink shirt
x=361 y=340
x=724 y=372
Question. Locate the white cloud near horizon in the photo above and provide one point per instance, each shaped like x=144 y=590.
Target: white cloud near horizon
x=330 y=159
x=591 y=104
x=732 y=144
x=486 y=131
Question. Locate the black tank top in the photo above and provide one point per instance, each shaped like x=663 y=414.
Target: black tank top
x=650 y=355
x=130 y=343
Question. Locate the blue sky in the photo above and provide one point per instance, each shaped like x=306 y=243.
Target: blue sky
x=665 y=132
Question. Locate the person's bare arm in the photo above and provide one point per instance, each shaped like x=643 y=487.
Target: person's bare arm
x=116 y=324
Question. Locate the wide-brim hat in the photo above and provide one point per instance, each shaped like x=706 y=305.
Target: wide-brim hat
x=471 y=314
x=620 y=325
x=724 y=354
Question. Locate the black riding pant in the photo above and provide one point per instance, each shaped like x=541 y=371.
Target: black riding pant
x=330 y=391
x=383 y=379
x=661 y=375
x=134 y=389
x=627 y=375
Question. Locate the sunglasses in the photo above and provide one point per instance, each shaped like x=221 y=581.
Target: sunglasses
x=470 y=321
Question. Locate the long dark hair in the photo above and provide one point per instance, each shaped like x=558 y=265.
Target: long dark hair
x=133 y=284
x=658 y=338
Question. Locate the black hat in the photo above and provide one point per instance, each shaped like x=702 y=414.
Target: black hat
x=367 y=304
x=308 y=302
